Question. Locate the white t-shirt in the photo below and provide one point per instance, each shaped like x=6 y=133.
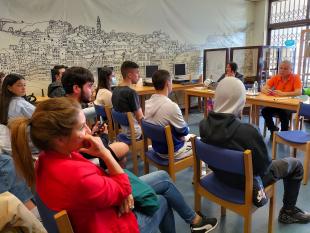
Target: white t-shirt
x=104 y=97
x=20 y=107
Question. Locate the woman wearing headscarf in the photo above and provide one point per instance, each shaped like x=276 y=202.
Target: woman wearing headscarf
x=223 y=128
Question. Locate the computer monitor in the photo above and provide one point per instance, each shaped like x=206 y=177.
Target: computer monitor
x=179 y=69
x=150 y=70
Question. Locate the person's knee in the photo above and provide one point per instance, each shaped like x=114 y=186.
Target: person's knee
x=264 y=112
x=119 y=148
x=296 y=166
x=163 y=175
x=299 y=167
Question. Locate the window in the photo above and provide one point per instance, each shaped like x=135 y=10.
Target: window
x=286 y=20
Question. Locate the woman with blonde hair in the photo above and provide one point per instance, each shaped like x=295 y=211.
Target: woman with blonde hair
x=96 y=200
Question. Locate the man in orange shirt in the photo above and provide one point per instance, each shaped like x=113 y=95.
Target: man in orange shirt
x=283 y=84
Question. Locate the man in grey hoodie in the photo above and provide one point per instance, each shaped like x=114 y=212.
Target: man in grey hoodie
x=160 y=110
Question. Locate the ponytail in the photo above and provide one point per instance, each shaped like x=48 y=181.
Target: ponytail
x=21 y=151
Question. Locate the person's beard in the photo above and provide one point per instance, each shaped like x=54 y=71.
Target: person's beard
x=84 y=98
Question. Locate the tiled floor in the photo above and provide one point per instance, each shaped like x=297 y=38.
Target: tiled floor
x=232 y=223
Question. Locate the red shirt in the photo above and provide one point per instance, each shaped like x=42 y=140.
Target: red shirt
x=90 y=196
x=291 y=84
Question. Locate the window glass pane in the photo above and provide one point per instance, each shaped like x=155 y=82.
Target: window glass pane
x=278 y=38
x=288 y=10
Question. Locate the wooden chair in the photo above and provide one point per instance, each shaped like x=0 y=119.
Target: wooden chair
x=135 y=145
x=105 y=114
x=162 y=135
x=63 y=222
x=297 y=139
x=53 y=221
x=238 y=201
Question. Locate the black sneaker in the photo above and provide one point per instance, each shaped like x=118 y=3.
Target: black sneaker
x=206 y=225
x=294 y=215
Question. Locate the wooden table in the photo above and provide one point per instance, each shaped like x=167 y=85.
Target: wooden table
x=41 y=98
x=147 y=90
x=256 y=101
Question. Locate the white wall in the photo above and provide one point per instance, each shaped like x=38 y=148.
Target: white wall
x=260 y=22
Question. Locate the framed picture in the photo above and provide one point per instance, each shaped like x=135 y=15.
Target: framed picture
x=214 y=63
x=247 y=59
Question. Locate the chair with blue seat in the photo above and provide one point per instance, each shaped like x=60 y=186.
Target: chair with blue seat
x=237 y=200
x=135 y=145
x=105 y=114
x=162 y=135
x=297 y=139
x=53 y=221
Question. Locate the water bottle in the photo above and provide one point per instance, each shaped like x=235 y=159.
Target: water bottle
x=262 y=84
x=255 y=88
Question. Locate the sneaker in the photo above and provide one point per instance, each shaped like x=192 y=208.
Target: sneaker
x=206 y=225
x=294 y=215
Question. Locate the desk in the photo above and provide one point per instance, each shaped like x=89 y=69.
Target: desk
x=146 y=90
x=255 y=101
x=41 y=98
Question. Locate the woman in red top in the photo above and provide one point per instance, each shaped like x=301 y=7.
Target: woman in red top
x=95 y=201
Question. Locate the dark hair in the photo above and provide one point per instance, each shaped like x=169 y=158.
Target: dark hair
x=104 y=78
x=52 y=118
x=127 y=66
x=76 y=76
x=58 y=67
x=233 y=66
x=159 y=79
x=7 y=95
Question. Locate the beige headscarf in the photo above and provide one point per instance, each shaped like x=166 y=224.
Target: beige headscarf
x=230 y=96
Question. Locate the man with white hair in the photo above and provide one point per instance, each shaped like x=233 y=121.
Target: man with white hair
x=283 y=84
x=223 y=128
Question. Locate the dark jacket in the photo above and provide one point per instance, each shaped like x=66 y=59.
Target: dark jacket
x=226 y=130
x=237 y=75
x=55 y=89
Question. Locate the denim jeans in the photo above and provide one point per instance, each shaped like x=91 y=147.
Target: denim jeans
x=164 y=187
x=9 y=181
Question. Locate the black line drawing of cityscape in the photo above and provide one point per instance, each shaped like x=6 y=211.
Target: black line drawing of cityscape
x=58 y=42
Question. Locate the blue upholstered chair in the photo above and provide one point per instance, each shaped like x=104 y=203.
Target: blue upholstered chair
x=135 y=145
x=297 y=139
x=104 y=113
x=53 y=221
x=163 y=135
x=238 y=162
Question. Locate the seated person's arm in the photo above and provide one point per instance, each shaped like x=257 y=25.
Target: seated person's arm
x=180 y=127
x=101 y=191
x=240 y=76
x=290 y=93
x=139 y=115
x=266 y=89
x=223 y=76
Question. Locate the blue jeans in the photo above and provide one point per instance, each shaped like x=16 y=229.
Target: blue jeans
x=9 y=181
x=169 y=198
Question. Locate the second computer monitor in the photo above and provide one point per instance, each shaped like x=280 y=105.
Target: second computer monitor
x=150 y=70
x=179 y=69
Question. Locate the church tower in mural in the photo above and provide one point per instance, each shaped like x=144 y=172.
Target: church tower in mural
x=98 y=25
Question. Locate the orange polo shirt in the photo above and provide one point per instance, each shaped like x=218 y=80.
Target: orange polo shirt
x=291 y=84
